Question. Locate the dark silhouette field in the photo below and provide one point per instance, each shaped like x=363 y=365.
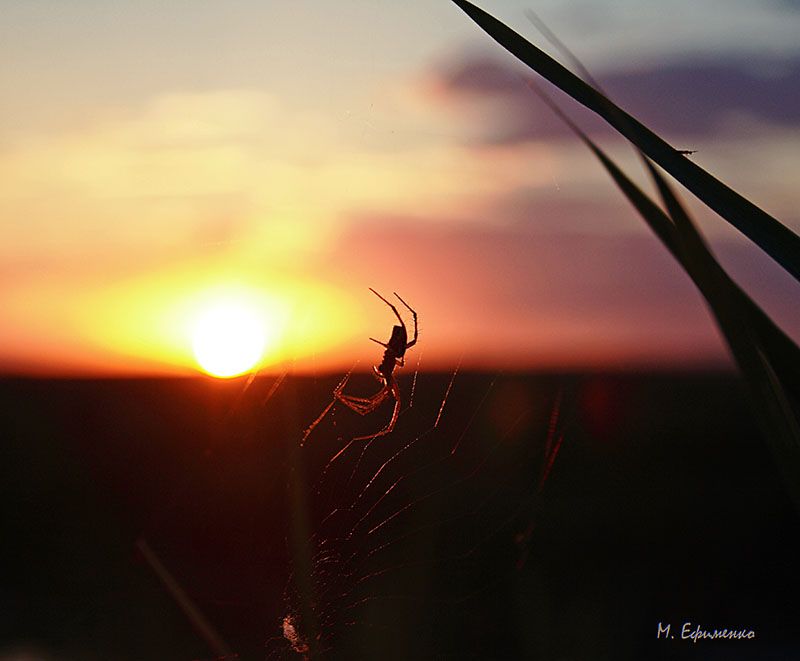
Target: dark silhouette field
x=662 y=506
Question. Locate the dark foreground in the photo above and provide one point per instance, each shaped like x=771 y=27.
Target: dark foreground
x=662 y=507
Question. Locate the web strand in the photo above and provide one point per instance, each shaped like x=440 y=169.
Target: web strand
x=447 y=393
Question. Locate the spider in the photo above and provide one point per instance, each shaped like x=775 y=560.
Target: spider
x=394 y=356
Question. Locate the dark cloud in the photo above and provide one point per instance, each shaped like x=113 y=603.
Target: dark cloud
x=676 y=99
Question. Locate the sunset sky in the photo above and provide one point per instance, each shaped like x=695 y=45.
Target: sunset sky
x=158 y=157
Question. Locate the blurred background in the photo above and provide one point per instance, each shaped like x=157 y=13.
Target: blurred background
x=265 y=163
x=154 y=158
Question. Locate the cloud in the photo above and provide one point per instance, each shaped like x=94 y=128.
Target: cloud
x=526 y=297
x=676 y=98
x=520 y=293
x=229 y=170
x=523 y=269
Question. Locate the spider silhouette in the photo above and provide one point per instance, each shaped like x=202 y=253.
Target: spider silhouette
x=393 y=356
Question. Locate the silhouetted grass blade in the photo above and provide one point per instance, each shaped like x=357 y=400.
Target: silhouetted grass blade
x=775 y=239
x=750 y=348
x=757 y=344
x=781 y=350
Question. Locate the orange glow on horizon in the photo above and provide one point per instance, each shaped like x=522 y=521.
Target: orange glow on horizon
x=148 y=325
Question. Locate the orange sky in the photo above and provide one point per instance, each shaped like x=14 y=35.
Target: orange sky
x=153 y=160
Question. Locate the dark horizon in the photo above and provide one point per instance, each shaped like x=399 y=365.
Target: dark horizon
x=663 y=505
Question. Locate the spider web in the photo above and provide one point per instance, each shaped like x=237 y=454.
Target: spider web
x=397 y=540
x=409 y=545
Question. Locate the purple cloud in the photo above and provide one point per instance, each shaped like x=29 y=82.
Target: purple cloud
x=517 y=289
x=679 y=98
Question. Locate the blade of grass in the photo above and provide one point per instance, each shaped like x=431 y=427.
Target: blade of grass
x=751 y=335
x=782 y=353
x=781 y=350
x=775 y=239
x=189 y=608
x=778 y=420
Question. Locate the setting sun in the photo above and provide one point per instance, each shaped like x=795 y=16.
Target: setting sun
x=229 y=338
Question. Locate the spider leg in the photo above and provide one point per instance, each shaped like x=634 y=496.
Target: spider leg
x=394 y=391
x=363 y=405
x=394 y=309
x=414 y=315
x=340 y=388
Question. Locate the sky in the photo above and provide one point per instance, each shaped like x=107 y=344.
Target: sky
x=157 y=157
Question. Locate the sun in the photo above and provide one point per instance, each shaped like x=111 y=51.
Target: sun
x=229 y=337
